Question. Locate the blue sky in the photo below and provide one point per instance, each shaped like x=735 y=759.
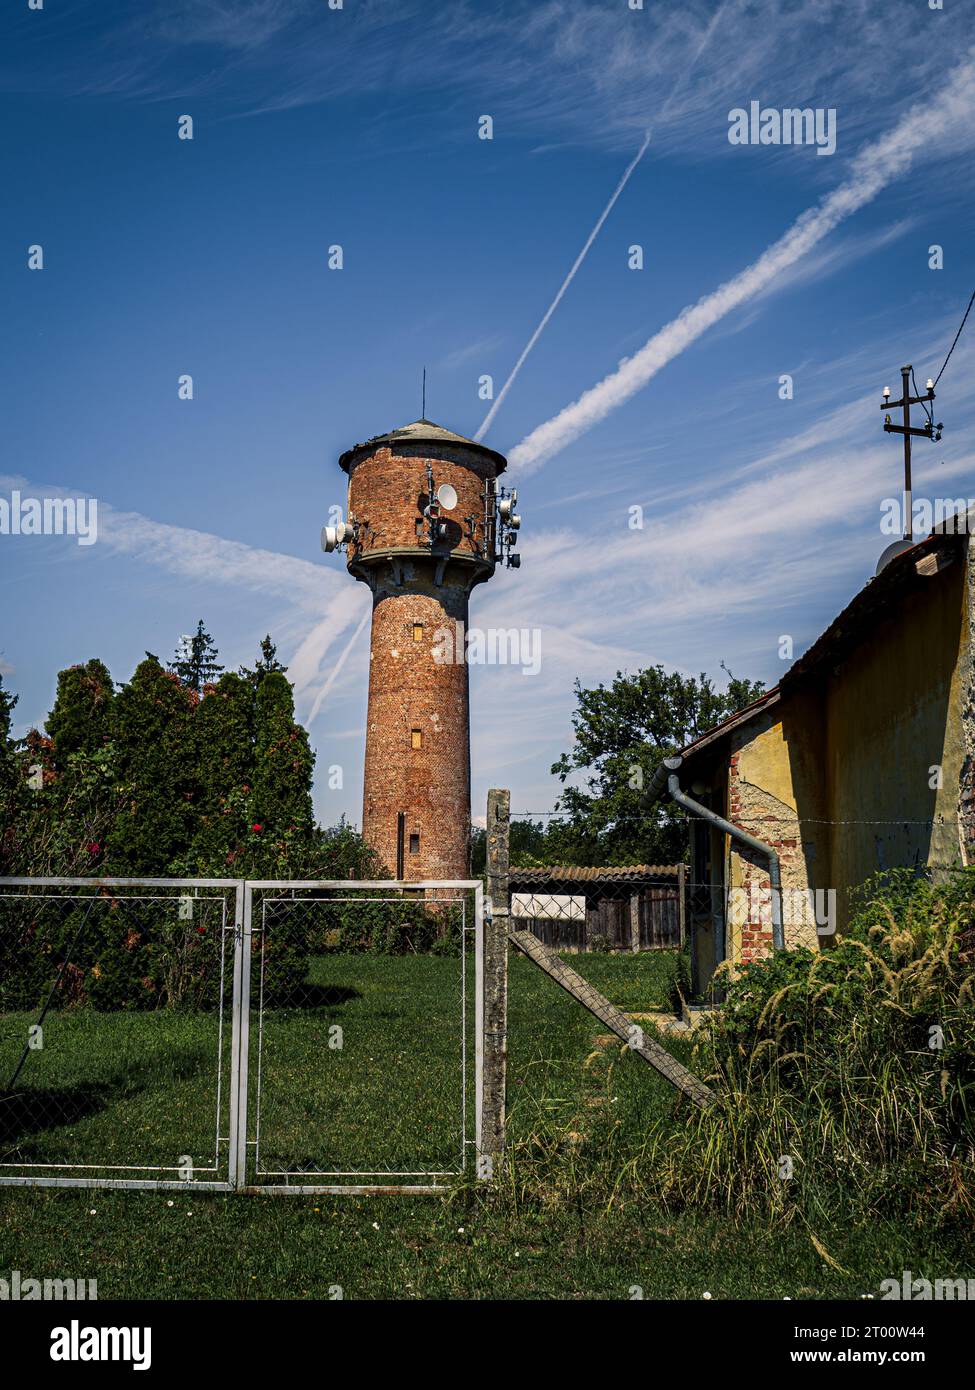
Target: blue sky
x=358 y=126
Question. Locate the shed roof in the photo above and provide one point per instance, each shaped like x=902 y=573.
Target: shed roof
x=573 y=873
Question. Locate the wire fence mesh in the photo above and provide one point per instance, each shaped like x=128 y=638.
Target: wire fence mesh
x=231 y=1034
x=360 y=1030
x=115 y=1030
x=612 y=909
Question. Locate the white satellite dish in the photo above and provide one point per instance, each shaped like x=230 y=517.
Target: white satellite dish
x=447 y=496
x=891 y=553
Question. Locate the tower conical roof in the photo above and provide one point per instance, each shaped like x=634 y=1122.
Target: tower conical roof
x=422 y=432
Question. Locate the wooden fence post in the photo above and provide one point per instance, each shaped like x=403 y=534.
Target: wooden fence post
x=495 y=1036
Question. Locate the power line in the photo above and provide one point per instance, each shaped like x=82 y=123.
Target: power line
x=957 y=336
x=749 y=820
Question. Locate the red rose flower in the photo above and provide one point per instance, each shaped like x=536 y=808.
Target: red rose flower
x=257 y=829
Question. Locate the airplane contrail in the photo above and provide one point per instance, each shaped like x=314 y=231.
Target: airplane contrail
x=949 y=110
x=562 y=288
x=336 y=670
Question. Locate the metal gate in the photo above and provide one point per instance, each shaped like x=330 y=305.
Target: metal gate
x=230 y=1035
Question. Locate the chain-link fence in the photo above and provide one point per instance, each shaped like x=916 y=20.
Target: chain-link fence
x=572 y=1077
x=639 y=908
x=360 y=1031
x=286 y=1036
x=116 y=1004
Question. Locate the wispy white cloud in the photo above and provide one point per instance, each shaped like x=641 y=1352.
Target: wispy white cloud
x=566 y=71
x=326 y=602
x=943 y=122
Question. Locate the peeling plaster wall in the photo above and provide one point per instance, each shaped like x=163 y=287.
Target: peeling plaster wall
x=894 y=711
x=776 y=793
x=837 y=778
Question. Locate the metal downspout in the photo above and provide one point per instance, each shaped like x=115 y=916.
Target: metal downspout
x=666 y=774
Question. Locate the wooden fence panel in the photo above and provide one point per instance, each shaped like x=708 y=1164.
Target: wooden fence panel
x=610 y=918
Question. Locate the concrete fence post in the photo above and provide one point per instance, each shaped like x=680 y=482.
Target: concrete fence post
x=495 y=1038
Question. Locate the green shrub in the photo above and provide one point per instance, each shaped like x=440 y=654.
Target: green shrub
x=856 y=1064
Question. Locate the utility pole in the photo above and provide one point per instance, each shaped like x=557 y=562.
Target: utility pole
x=929 y=431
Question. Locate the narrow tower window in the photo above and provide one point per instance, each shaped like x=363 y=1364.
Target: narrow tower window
x=416 y=738
x=414 y=844
x=400 y=828
x=417 y=632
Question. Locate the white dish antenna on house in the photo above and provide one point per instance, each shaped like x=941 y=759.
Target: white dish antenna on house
x=891 y=553
x=447 y=497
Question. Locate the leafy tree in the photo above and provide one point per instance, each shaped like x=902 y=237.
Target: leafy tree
x=265 y=664
x=8 y=763
x=156 y=771
x=283 y=761
x=195 y=662
x=622 y=732
x=61 y=802
x=527 y=845
x=8 y=778
x=81 y=718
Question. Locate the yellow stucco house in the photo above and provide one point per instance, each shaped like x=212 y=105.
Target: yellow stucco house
x=861 y=759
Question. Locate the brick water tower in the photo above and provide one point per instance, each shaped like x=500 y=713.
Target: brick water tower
x=427 y=520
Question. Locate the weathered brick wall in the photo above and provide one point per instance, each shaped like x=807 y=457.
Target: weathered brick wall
x=774 y=822
x=388 y=490
x=420 y=596
x=410 y=690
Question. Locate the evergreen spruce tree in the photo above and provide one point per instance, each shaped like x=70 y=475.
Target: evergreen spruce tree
x=265 y=664
x=195 y=661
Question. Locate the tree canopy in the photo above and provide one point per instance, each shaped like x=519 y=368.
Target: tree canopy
x=180 y=772
x=622 y=731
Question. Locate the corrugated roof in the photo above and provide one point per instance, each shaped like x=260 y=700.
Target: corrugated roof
x=573 y=873
x=422 y=432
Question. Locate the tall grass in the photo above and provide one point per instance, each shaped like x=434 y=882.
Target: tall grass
x=845 y=1081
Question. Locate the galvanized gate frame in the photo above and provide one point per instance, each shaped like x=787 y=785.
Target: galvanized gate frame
x=237 y=1139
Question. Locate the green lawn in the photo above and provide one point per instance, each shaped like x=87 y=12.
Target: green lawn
x=144 y=1089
